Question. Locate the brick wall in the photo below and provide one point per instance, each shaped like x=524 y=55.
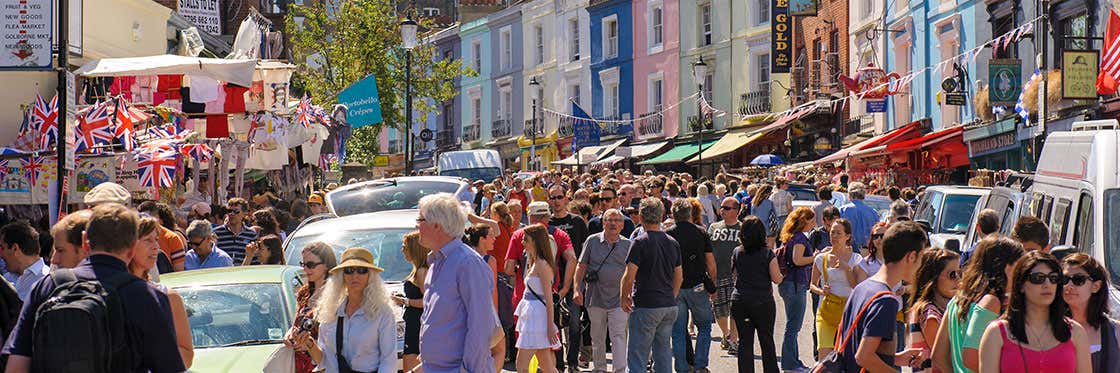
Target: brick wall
x=832 y=17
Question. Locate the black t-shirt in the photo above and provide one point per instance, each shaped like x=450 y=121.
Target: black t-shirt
x=694 y=245
x=656 y=255
x=575 y=228
x=752 y=271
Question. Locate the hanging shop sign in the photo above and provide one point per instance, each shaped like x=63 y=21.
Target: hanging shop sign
x=807 y=8
x=1079 y=74
x=1005 y=81
x=822 y=146
x=870 y=83
x=362 y=103
x=426 y=135
x=206 y=14
x=781 y=50
x=380 y=161
x=956 y=99
x=25 y=33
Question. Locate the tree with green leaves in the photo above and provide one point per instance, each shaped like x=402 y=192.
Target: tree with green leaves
x=335 y=48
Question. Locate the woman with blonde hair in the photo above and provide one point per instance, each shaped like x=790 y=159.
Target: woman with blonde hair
x=356 y=305
x=798 y=258
x=413 y=298
x=145 y=252
x=537 y=334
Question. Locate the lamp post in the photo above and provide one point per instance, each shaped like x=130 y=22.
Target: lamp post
x=535 y=86
x=699 y=72
x=408 y=41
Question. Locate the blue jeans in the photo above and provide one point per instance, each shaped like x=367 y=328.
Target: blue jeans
x=651 y=330
x=700 y=306
x=793 y=295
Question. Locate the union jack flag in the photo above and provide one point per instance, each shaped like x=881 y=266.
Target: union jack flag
x=44 y=118
x=157 y=167
x=94 y=128
x=304 y=112
x=200 y=152
x=33 y=166
x=169 y=131
x=28 y=137
x=124 y=118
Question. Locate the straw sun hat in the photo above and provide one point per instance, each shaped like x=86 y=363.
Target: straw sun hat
x=356 y=257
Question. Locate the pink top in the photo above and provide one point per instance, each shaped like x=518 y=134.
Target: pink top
x=1060 y=358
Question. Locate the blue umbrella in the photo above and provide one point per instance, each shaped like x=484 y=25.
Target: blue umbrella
x=767 y=160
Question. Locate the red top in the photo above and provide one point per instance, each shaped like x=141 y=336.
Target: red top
x=516 y=250
x=1060 y=358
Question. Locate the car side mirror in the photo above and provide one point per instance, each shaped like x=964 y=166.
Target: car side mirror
x=1062 y=251
x=925 y=225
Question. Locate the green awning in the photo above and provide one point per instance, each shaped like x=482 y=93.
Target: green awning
x=679 y=153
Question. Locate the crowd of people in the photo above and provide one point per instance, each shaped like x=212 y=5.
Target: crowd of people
x=562 y=268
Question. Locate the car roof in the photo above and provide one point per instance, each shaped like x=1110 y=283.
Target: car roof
x=256 y=274
x=391 y=219
x=450 y=179
x=959 y=189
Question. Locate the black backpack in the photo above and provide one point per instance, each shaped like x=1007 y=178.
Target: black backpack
x=81 y=326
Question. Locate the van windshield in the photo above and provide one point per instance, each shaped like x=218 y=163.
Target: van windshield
x=486 y=174
x=957 y=213
x=1112 y=231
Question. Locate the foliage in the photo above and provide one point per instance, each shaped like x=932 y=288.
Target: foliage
x=362 y=37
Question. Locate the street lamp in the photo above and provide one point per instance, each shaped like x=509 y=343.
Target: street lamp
x=535 y=86
x=699 y=72
x=408 y=41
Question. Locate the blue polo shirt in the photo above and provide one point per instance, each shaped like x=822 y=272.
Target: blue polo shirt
x=216 y=259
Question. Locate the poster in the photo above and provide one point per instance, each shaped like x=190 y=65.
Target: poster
x=806 y=8
x=17 y=184
x=781 y=48
x=362 y=102
x=91 y=172
x=1005 y=81
x=1079 y=74
x=25 y=33
x=206 y=14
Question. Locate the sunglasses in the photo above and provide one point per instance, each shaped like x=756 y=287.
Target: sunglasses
x=1079 y=279
x=310 y=265
x=1038 y=278
x=954 y=275
x=194 y=244
x=556 y=198
x=877 y=236
x=725 y=208
x=353 y=270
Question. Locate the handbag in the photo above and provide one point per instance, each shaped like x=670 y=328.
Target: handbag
x=833 y=362
x=831 y=310
x=343 y=365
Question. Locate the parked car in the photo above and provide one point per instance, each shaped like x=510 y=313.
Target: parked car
x=949 y=210
x=1008 y=202
x=238 y=316
x=396 y=193
x=1076 y=191
x=478 y=164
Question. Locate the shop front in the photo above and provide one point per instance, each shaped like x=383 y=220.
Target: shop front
x=936 y=158
x=996 y=146
x=546 y=152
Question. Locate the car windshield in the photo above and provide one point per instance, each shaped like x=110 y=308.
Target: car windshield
x=384 y=244
x=803 y=194
x=386 y=195
x=486 y=174
x=222 y=315
x=1112 y=230
x=956 y=213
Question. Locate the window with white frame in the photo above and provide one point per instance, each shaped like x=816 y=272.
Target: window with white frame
x=656 y=26
x=538 y=40
x=709 y=84
x=656 y=92
x=610 y=36
x=574 y=94
x=763 y=64
x=476 y=110
x=476 y=56
x=704 y=12
x=505 y=105
x=573 y=39
x=610 y=100
x=763 y=15
x=431 y=12
x=506 y=47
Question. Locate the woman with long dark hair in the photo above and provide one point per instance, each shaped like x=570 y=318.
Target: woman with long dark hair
x=752 y=300
x=1086 y=294
x=316 y=259
x=482 y=239
x=413 y=298
x=144 y=254
x=269 y=249
x=937 y=280
x=1034 y=333
x=981 y=299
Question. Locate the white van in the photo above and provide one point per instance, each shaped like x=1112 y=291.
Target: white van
x=481 y=164
x=1076 y=191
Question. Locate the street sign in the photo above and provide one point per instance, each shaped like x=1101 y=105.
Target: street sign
x=426 y=135
x=956 y=99
x=363 y=106
x=1079 y=74
x=26 y=29
x=1005 y=80
x=877 y=106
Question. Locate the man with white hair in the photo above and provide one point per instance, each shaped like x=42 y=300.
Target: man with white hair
x=862 y=216
x=458 y=317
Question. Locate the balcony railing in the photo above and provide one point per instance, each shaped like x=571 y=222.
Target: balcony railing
x=650 y=125
x=501 y=128
x=566 y=127
x=472 y=132
x=757 y=102
x=530 y=130
x=395 y=146
x=445 y=138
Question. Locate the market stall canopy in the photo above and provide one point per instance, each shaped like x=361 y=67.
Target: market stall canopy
x=949 y=137
x=238 y=72
x=731 y=142
x=598 y=151
x=644 y=150
x=608 y=160
x=901 y=133
x=678 y=153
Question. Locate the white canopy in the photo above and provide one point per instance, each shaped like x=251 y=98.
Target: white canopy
x=598 y=151
x=238 y=72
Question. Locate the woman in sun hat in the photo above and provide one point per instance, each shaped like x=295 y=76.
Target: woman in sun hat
x=355 y=304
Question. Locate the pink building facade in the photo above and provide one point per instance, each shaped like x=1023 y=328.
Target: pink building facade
x=656 y=67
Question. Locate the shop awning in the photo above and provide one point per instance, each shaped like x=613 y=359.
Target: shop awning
x=678 y=153
x=644 y=150
x=900 y=133
x=955 y=133
x=730 y=143
x=608 y=160
x=794 y=114
x=599 y=152
x=238 y=72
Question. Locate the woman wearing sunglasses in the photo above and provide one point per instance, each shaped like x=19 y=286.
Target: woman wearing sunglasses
x=938 y=277
x=1034 y=334
x=317 y=258
x=357 y=328
x=873 y=258
x=1086 y=293
x=413 y=298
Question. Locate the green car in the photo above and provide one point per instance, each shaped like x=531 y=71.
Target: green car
x=238 y=315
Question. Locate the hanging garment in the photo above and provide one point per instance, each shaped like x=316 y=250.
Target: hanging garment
x=246 y=45
x=218 y=105
x=217 y=126
x=311 y=148
x=203 y=89
x=234 y=98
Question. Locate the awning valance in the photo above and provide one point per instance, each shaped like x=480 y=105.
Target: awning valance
x=239 y=72
x=644 y=150
x=907 y=131
x=678 y=153
x=731 y=142
x=598 y=151
x=929 y=140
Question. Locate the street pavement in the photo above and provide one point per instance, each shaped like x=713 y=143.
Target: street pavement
x=721 y=362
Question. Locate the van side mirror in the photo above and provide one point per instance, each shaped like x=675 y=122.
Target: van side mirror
x=1062 y=251
x=925 y=225
x=953 y=245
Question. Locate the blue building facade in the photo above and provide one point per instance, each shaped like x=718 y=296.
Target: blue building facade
x=446 y=121
x=476 y=93
x=612 y=59
x=506 y=35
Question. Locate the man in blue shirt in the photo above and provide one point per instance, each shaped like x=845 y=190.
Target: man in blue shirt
x=862 y=216
x=201 y=251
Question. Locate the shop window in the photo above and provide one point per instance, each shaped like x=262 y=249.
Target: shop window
x=1000 y=26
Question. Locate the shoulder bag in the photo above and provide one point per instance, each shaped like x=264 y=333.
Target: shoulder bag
x=832 y=306
x=834 y=362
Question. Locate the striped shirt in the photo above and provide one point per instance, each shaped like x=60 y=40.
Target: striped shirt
x=234 y=244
